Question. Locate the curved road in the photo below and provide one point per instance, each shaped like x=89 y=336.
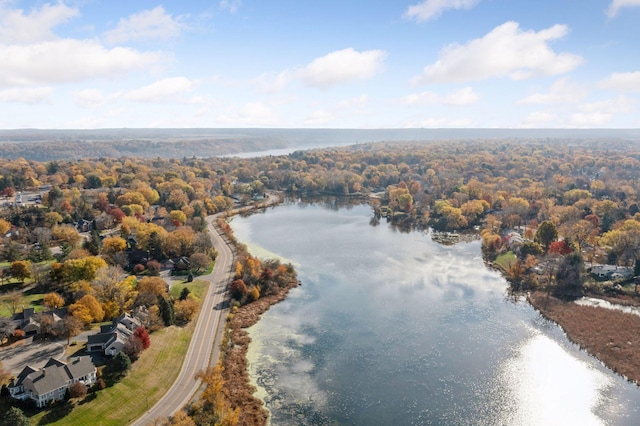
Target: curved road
x=204 y=347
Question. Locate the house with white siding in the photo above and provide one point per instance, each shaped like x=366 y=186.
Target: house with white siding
x=50 y=383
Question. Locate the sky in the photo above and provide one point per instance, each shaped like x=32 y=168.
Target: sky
x=84 y=64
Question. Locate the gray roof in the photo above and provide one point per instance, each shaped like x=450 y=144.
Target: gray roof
x=54 y=375
x=99 y=338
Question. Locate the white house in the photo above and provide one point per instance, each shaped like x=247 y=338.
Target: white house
x=112 y=337
x=50 y=383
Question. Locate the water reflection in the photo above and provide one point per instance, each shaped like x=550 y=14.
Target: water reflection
x=393 y=328
x=549 y=386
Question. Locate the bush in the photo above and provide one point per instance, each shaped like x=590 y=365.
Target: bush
x=121 y=363
x=153 y=266
x=77 y=390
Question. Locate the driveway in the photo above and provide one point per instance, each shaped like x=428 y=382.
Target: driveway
x=15 y=358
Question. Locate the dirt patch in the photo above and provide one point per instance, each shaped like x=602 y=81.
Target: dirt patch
x=611 y=336
x=237 y=388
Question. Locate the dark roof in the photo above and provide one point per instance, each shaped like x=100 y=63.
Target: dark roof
x=54 y=375
x=99 y=338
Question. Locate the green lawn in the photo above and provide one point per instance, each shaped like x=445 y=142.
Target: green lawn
x=150 y=378
x=31 y=300
x=197 y=288
x=505 y=260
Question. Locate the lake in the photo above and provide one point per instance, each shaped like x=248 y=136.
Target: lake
x=391 y=328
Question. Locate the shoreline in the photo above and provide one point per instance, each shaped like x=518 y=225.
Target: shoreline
x=238 y=389
x=611 y=336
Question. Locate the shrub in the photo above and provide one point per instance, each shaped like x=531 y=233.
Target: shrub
x=77 y=390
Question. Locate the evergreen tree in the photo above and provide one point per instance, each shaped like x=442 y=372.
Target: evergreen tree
x=14 y=417
x=166 y=311
x=121 y=363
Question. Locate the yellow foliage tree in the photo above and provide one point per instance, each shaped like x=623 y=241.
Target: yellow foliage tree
x=94 y=307
x=4 y=227
x=53 y=300
x=113 y=245
x=81 y=312
x=67 y=234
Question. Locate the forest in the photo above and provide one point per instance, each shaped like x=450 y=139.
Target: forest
x=548 y=212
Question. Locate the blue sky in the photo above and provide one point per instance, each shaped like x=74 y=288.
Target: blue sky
x=317 y=64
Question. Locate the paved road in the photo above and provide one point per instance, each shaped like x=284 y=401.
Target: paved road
x=206 y=336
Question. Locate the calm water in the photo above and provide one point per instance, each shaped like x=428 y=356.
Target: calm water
x=391 y=328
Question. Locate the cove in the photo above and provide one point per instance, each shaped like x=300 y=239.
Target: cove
x=390 y=327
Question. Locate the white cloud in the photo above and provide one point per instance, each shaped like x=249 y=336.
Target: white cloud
x=348 y=107
x=162 y=91
x=93 y=98
x=271 y=82
x=598 y=113
x=146 y=25
x=16 y=27
x=319 y=117
x=615 y=6
x=538 y=119
x=27 y=95
x=68 y=60
x=430 y=9
x=231 y=5
x=437 y=122
x=506 y=51
x=464 y=96
x=610 y=106
x=251 y=114
x=622 y=81
x=342 y=66
x=357 y=102
x=560 y=91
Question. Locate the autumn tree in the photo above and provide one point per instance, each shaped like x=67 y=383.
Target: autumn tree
x=93 y=306
x=185 y=310
x=20 y=269
x=77 y=390
x=82 y=269
x=212 y=407
x=133 y=348
x=238 y=289
x=70 y=326
x=142 y=334
x=200 y=261
x=66 y=234
x=113 y=245
x=4 y=227
x=53 y=300
x=14 y=300
x=560 y=247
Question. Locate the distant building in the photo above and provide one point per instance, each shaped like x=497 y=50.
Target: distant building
x=50 y=383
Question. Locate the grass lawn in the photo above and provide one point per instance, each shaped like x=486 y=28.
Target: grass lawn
x=505 y=260
x=197 y=288
x=32 y=300
x=149 y=379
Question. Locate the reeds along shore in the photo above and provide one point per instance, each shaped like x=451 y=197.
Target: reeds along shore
x=237 y=388
x=611 y=336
